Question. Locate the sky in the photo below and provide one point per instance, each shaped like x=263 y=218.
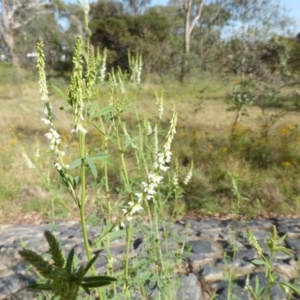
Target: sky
x=292 y=8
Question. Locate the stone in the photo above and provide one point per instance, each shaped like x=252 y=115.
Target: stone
x=212 y=251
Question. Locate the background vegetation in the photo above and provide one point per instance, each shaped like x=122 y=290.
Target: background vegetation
x=230 y=68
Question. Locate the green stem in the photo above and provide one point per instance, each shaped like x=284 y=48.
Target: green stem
x=82 y=205
x=128 y=235
x=106 y=181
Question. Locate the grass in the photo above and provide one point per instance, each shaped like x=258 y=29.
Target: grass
x=121 y=169
x=268 y=169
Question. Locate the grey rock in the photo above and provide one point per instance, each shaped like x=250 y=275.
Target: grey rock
x=188 y=289
x=233 y=292
x=211 y=274
x=293 y=244
x=217 y=249
x=276 y=291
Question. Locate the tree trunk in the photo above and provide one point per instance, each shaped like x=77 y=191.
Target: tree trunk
x=11 y=45
x=186 y=47
x=8 y=24
x=189 y=25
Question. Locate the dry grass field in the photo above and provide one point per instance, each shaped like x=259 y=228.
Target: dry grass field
x=265 y=171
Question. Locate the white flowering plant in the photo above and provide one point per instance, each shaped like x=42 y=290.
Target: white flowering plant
x=145 y=193
x=142 y=194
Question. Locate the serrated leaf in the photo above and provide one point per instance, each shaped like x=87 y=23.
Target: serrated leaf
x=104 y=111
x=75 y=163
x=69 y=264
x=86 y=290
x=59 y=92
x=98 y=278
x=97 y=281
x=92 y=167
x=91 y=285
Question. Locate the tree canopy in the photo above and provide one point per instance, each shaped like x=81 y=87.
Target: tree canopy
x=181 y=39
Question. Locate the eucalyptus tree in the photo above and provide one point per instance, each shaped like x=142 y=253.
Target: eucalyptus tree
x=15 y=15
x=47 y=27
x=200 y=19
x=253 y=24
x=136 y=7
x=122 y=33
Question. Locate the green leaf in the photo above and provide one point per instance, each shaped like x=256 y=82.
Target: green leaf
x=132 y=141
x=86 y=290
x=261 y=291
x=258 y=262
x=98 y=156
x=59 y=92
x=104 y=111
x=39 y=286
x=75 y=182
x=282 y=250
x=143 y=278
x=79 y=275
x=291 y=286
x=97 y=281
x=99 y=278
x=98 y=128
x=281 y=240
x=116 y=234
x=76 y=163
x=93 y=109
x=90 y=263
x=69 y=264
x=92 y=167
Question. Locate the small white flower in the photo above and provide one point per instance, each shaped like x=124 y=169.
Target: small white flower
x=28 y=161
x=149 y=129
x=160 y=104
x=175 y=179
x=46 y=121
x=188 y=178
x=156 y=178
x=80 y=128
x=150 y=189
x=168 y=156
x=149 y=197
x=56 y=134
x=139 y=197
x=63 y=153
x=161 y=158
x=57 y=166
x=48 y=135
x=163 y=168
x=135 y=207
x=189 y=175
